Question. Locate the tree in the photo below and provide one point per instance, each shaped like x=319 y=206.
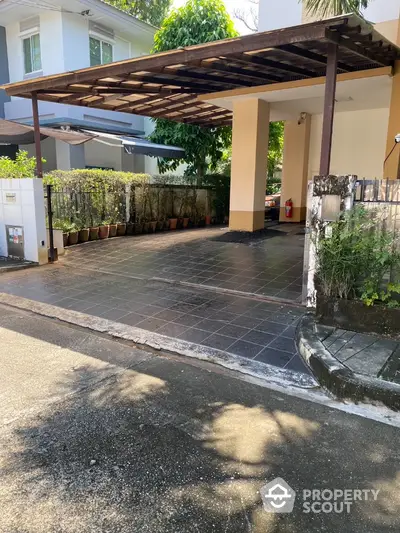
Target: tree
x=198 y=21
x=327 y=8
x=249 y=16
x=151 y=11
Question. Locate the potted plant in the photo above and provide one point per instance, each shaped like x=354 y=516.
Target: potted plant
x=73 y=234
x=104 y=230
x=146 y=226
x=208 y=220
x=130 y=228
x=152 y=226
x=185 y=222
x=138 y=226
x=93 y=233
x=113 y=229
x=121 y=229
x=354 y=267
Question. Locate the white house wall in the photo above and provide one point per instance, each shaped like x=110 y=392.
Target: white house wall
x=358 y=145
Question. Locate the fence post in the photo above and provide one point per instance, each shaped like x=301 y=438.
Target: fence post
x=127 y=202
x=318 y=226
x=50 y=218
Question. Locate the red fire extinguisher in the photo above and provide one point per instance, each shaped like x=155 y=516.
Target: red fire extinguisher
x=289 y=208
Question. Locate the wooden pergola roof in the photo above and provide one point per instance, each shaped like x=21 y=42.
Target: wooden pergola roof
x=166 y=85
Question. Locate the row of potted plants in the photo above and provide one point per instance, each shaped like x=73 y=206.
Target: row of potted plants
x=72 y=234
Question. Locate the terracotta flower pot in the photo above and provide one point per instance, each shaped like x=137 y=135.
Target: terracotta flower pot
x=138 y=228
x=84 y=235
x=130 y=228
x=208 y=220
x=104 y=232
x=121 y=229
x=113 y=230
x=93 y=234
x=173 y=223
x=65 y=239
x=185 y=222
x=152 y=226
x=73 y=237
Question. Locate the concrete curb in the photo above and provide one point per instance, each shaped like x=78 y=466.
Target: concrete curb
x=337 y=377
x=156 y=341
x=13 y=268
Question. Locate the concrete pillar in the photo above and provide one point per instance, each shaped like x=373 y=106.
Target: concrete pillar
x=391 y=168
x=296 y=148
x=249 y=164
x=69 y=157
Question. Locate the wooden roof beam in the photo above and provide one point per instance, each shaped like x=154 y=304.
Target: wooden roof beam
x=264 y=62
x=210 y=77
x=166 y=103
x=313 y=56
x=342 y=42
x=217 y=64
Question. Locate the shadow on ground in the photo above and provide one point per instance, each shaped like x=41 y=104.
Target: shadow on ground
x=167 y=447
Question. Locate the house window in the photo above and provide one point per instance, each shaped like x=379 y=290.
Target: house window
x=32 y=57
x=101 y=52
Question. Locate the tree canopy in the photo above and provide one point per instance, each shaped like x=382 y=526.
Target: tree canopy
x=198 y=21
x=151 y=11
x=326 y=8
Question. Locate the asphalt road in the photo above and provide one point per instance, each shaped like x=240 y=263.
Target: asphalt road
x=97 y=436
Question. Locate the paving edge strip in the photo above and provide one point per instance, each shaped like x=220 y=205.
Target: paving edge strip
x=156 y=341
x=337 y=377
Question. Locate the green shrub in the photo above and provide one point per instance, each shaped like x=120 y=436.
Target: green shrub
x=89 y=180
x=22 y=167
x=359 y=257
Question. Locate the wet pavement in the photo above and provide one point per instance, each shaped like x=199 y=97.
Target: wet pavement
x=268 y=266
x=113 y=279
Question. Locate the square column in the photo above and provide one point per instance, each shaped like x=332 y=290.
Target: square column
x=296 y=148
x=391 y=168
x=69 y=156
x=249 y=164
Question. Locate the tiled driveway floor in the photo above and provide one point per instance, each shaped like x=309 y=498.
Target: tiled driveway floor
x=120 y=279
x=263 y=331
x=269 y=267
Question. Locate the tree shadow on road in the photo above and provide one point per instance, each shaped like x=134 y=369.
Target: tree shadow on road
x=166 y=447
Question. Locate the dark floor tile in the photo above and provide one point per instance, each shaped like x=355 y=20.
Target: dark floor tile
x=187 y=320
x=284 y=318
x=271 y=327
x=169 y=315
x=131 y=319
x=259 y=337
x=209 y=325
x=296 y=364
x=151 y=323
x=289 y=332
x=273 y=357
x=194 y=335
x=172 y=330
x=114 y=314
x=260 y=313
x=233 y=330
x=245 y=349
x=218 y=341
x=150 y=310
x=284 y=344
x=222 y=316
x=97 y=310
x=247 y=321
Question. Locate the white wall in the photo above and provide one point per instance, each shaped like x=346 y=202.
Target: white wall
x=274 y=15
x=358 y=146
x=100 y=155
x=24 y=208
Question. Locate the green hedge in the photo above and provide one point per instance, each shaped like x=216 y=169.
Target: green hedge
x=90 y=180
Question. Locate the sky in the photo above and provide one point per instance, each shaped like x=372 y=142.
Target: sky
x=231 y=5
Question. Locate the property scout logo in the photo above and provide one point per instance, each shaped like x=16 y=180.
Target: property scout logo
x=278 y=497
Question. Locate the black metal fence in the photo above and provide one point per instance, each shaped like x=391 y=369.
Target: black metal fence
x=133 y=203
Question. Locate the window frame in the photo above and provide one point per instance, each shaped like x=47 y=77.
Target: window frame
x=29 y=36
x=102 y=41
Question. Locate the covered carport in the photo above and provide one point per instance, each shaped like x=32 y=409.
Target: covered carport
x=241 y=74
